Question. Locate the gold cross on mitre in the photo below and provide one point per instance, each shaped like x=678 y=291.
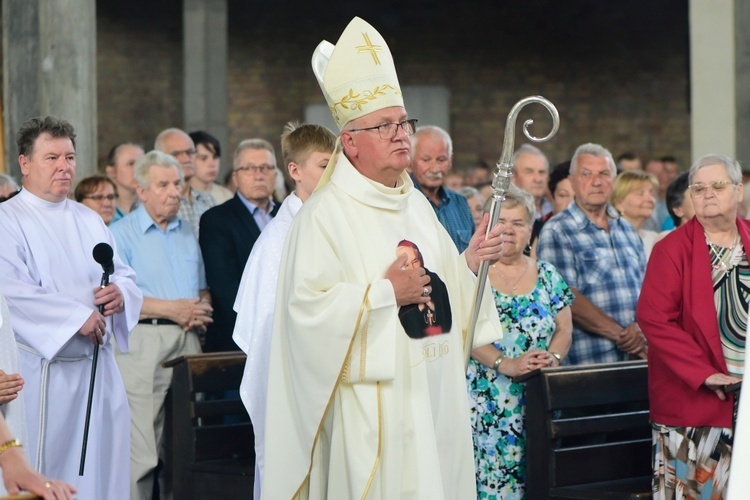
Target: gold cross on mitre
x=369 y=47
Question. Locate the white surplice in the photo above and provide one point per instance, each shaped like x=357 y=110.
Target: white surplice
x=254 y=305
x=48 y=276
x=13 y=412
x=380 y=414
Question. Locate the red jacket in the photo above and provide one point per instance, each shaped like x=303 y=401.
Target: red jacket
x=677 y=314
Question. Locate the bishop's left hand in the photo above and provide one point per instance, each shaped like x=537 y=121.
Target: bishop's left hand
x=111 y=297
x=480 y=249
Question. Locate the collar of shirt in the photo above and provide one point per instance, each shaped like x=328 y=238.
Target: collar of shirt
x=442 y=195
x=252 y=207
x=582 y=219
x=145 y=222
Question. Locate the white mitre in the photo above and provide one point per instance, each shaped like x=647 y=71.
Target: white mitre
x=357 y=75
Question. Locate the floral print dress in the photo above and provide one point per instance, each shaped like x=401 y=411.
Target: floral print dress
x=498 y=414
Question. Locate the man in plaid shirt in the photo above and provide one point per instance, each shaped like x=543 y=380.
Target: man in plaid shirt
x=601 y=257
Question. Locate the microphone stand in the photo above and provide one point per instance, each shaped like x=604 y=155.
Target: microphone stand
x=104 y=283
x=500 y=186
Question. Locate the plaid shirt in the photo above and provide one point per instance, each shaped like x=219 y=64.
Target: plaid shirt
x=191 y=212
x=605 y=267
x=455 y=216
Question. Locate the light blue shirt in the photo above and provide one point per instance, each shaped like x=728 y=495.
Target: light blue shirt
x=262 y=218
x=168 y=264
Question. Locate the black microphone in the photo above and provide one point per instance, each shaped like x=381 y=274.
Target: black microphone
x=103 y=254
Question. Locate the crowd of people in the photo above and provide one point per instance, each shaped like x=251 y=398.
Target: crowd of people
x=351 y=297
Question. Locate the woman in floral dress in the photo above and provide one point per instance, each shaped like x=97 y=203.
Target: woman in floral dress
x=533 y=302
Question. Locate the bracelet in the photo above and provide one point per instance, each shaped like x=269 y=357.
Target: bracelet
x=13 y=443
x=496 y=364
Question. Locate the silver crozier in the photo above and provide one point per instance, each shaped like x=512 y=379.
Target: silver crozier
x=499 y=187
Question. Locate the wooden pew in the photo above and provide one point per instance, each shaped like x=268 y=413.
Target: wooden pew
x=209 y=435
x=588 y=432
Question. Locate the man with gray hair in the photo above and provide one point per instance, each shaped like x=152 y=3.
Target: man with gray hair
x=432 y=159
x=230 y=230
x=162 y=249
x=194 y=202
x=601 y=257
x=531 y=173
x=8 y=186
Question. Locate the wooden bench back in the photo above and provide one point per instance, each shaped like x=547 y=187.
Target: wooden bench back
x=205 y=423
x=587 y=424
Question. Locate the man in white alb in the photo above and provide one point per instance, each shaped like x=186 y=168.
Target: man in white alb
x=51 y=283
x=356 y=407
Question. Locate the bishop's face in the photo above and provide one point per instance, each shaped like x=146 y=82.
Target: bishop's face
x=382 y=160
x=50 y=169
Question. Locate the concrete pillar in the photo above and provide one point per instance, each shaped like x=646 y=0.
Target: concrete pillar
x=742 y=80
x=720 y=78
x=205 y=54
x=49 y=67
x=20 y=72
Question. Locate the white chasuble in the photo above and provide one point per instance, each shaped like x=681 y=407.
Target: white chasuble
x=48 y=276
x=356 y=407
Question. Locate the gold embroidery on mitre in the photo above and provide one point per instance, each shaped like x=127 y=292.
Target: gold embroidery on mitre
x=369 y=47
x=356 y=101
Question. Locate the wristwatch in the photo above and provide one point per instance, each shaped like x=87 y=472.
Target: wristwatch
x=557 y=356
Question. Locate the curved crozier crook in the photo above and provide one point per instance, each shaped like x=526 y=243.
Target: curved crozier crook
x=500 y=185
x=510 y=125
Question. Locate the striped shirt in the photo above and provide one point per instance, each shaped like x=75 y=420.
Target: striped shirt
x=191 y=212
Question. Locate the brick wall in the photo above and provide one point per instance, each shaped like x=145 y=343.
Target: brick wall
x=618 y=72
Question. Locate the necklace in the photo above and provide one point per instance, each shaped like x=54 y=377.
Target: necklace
x=724 y=255
x=514 y=285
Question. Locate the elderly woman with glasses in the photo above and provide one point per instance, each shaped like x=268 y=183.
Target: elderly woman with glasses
x=693 y=310
x=99 y=193
x=533 y=302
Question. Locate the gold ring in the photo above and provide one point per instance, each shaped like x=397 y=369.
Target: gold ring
x=48 y=485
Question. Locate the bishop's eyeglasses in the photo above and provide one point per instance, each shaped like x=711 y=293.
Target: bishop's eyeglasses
x=388 y=131
x=700 y=190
